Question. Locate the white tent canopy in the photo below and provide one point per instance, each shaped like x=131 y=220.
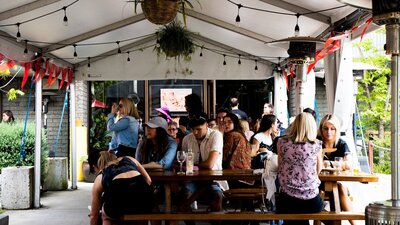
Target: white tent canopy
x=213 y=21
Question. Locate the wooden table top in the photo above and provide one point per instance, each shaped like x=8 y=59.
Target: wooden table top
x=360 y=177
x=207 y=175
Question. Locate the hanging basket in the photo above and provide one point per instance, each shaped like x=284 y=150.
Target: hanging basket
x=160 y=11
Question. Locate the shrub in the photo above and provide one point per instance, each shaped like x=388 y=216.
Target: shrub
x=10 y=143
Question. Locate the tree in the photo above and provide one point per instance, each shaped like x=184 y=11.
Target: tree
x=373 y=97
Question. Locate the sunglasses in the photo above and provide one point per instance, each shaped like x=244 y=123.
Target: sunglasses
x=172 y=129
x=120 y=106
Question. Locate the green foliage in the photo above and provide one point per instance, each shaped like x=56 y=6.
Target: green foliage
x=372 y=97
x=10 y=142
x=99 y=136
x=175 y=41
x=382 y=145
x=12 y=94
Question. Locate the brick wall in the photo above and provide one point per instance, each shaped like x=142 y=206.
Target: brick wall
x=82 y=101
x=55 y=105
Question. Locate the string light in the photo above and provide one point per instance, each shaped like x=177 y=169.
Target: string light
x=26 y=48
x=128 y=59
x=224 y=63
x=88 y=64
x=238 y=16
x=75 y=54
x=297 y=28
x=201 y=52
x=239 y=61
x=158 y=40
x=65 y=20
x=279 y=69
x=18 y=33
x=256 y=67
x=119 y=48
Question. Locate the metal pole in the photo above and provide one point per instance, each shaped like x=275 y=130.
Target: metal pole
x=73 y=134
x=38 y=141
x=301 y=77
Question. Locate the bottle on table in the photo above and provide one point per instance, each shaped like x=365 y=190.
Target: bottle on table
x=189 y=162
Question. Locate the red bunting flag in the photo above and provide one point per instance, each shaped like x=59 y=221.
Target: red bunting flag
x=365 y=28
x=27 y=67
x=51 y=72
x=58 y=71
x=38 y=68
x=64 y=75
x=7 y=65
x=70 y=75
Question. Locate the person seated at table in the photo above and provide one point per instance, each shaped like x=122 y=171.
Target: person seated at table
x=122 y=186
x=329 y=133
x=206 y=145
x=236 y=150
x=263 y=140
x=158 y=150
x=299 y=163
x=173 y=131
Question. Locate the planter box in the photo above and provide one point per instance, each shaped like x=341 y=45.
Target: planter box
x=17 y=187
x=57 y=174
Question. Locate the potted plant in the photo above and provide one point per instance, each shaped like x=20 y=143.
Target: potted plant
x=163 y=11
x=174 y=40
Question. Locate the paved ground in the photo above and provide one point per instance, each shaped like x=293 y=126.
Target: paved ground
x=70 y=207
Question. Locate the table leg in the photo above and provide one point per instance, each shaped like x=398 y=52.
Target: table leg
x=332 y=187
x=168 y=204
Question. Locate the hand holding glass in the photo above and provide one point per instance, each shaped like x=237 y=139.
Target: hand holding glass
x=338 y=164
x=181 y=157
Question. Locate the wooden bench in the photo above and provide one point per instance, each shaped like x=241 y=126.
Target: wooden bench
x=335 y=217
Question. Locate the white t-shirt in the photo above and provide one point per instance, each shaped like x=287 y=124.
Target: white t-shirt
x=213 y=141
x=262 y=138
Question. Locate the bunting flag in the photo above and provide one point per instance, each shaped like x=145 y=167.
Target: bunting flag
x=64 y=75
x=38 y=67
x=365 y=28
x=27 y=68
x=46 y=68
x=98 y=104
x=58 y=71
x=331 y=45
x=70 y=75
x=285 y=75
x=8 y=65
x=51 y=72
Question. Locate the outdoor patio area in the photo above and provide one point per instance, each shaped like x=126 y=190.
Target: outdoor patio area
x=71 y=207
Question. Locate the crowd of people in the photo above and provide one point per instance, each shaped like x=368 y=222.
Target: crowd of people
x=224 y=142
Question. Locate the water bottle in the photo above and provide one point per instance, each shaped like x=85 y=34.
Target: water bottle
x=189 y=162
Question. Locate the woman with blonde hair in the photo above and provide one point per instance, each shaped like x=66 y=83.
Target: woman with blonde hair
x=329 y=133
x=123 y=121
x=122 y=186
x=299 y=163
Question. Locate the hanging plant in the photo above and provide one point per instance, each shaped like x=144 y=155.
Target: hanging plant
x=175 y=41
x=163 y=11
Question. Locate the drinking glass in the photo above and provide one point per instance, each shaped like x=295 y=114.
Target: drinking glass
x=181 y=157
x=338 y=164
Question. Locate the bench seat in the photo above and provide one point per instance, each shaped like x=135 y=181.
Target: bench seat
x=246 y=216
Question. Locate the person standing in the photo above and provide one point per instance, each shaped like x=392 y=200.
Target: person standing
x=123 y=121
x=235 y=109
x=299 y=163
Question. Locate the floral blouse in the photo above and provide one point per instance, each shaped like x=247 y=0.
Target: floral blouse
x=297 y=168
x=236 y=151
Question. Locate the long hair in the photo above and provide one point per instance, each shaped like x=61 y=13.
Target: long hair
x=101 y=159
x=147 y=148
x=130 y=108
x=236 y=123
x=334 y=120
x=10 y=116
x=303 y=129
x=266 y=123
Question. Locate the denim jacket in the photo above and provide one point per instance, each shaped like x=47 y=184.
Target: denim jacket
x=125 y=130
x=166 y=160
